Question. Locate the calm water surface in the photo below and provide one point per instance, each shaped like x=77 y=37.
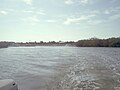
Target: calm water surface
x=61 y=68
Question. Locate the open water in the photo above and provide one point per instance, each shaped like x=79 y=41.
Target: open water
x=61 y=68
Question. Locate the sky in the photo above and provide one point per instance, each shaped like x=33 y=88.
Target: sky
x=54 y=20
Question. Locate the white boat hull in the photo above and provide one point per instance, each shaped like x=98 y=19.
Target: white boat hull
x=8 y=84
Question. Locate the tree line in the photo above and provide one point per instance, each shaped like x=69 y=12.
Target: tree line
x=95 y=42
x=92 y=42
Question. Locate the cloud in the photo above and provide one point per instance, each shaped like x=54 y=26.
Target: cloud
x=109 y=19
x=77 y=20
x=84 y=1
x=69 y=2
x=76 y=1
x=32 y=20
x=40 y=13
x=95 y=22
x=51 y=21
x=114 y=17
x=3 y=12
x=107 y=12
x=113 y=1
x=28 y=11
x=29 y=2
x=10 y=10
x=74 y=20
x=115 y=9
x=112 y=10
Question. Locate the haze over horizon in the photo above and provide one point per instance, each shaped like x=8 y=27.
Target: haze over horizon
x=54 y=20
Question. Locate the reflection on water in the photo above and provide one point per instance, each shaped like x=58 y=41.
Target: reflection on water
x=68 y=68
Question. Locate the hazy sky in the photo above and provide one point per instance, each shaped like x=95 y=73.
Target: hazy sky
x=47 y=20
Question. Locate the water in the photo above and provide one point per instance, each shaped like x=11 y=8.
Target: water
x=61 y=68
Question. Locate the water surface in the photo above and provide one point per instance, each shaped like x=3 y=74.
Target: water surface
x=61 y=68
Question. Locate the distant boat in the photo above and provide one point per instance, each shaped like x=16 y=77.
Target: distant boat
x=4 y=44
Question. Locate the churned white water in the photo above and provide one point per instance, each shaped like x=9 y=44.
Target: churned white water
x=61 y=68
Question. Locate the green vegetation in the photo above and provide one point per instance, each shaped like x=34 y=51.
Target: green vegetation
x=92 y=42
x=95 y=42
x=5 y=44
